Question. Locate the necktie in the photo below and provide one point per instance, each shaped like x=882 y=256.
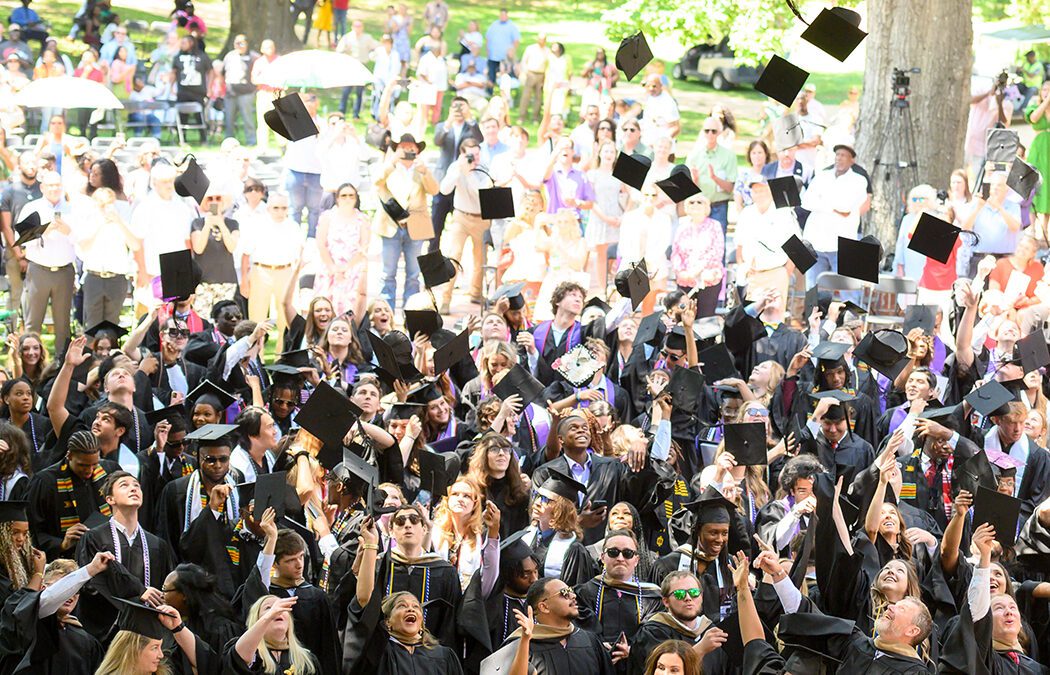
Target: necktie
x=931 y=475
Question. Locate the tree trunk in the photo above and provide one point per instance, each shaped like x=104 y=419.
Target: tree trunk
x=937 y=37
x=261 y=19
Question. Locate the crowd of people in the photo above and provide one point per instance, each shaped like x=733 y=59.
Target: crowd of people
x=636 y=432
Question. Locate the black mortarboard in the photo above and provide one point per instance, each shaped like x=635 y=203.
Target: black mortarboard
x=747 y=442
x=785 y=191
x=733 y=647
x=290 y=118
x=716 y=363
x=1023 y=178
x=425 y=321
x=179 y=274
x=425 y=393
x=631 y=169
x=940 y=413
x=884 y=350
x=95 y=519
x=356 y=465
x=860 y=259
x=285 y=375
x=452 y=352
x=1033 y=350
x=724 y=391
x=934 y=238
x=835 y=34
x=139 y=618
x=512 y=292
x=393 y=209
x=564 y=486
x=831 y=352
x=851 y=306
x=633 y=284
x=509 y=546
x=800 y=253
x=920 y=316
x=29 y=228
x=781 y=80
x=989 y=398
x=404 y=411
x=106 y=327
x=270 y=490
x=436 y=269
x=297 y=358
x=686 y=389
x=809 y=640
x=496 y=202
x=12 y=511
x=651 y=329
x=155 y=417
x=1001 y=145
x=837 y=394
x=633 y=54
x=679 y=186
x=1002 y=511
x=675 y=338
x=741 y=330
x=388 y=362
x=80 y=373
x=711 y=507
x=208 y=388
x=192 y=182
x=214 y=434
x=433 y=474
x=599 y=303
x=518 y=381
x=974 y=473
x=328 y=415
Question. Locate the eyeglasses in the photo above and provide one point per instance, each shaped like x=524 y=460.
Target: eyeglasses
x=176 y=444
x=679 y=594
x=348 y=195
x=283 y=401
x=212 y=459
x=499 y=450
x=626 y=553
x=168 y=590
x=408 y=518
x=178 y=333
x=562 y=592
x=253 y=188
x=710 y=131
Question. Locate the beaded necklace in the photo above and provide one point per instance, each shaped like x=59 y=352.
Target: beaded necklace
x=145 y=550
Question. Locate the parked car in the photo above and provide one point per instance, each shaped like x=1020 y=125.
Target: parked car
x=715 y=65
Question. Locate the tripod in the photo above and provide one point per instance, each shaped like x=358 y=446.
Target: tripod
x=895 y=163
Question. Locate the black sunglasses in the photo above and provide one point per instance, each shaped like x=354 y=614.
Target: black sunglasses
x=178 y=333
x=212 y=459
x=626 y=553
x=409 y=517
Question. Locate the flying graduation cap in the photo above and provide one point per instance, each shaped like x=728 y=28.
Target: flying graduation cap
x=496 y=203
x=290 y=118
x=633 y=54
x=679 y=186
x=328 y=415
x=934 y=238
x=781 y=80
x=633 y=283
x=798 y=251
x=179 y=274
x=519 y=381
x=436 y=268
x=835 y=31
x=860 y=259
x=192 y=182
x=631 y=169
x=1023 y=178
x=786 y=191
x=29 y=229
x=452 y=352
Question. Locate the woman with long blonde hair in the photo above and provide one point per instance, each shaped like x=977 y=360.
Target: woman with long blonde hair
x=270 y=639
x=459 y=532
x=134 y=654
x=556 y=535
x=21 y=566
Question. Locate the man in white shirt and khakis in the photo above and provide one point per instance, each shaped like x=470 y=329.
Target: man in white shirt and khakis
x=761 y=230
x=534 y=61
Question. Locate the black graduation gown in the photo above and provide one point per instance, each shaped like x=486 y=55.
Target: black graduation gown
x=45 y=646
x=780 y=345
x=621 y=402
x=154 y=475
x=202 y=346
x=716 y=596
x=124 y=580
x=46 y=503
x=443 y=582
x=651 y=633
x=313 y=613
x=551 y=350
x=577 y=566
x=582 y=652
x=851 y=451
x=232 y=664
x=499 y=610
x=622 y=610
x=512 y=518
x=36 y=429
x=137 y=438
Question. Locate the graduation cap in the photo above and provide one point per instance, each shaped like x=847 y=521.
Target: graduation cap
x=215 y=394
x=268 y=490
x=290 y=118
x=155 y=417
x=989 y=398
x=30 y=228
x=651 y=329
x=788 y=132
x=807 y=636
x=1033 y=350
x=514 y=545
x=884 y=350
x=860 y=259
x=934 y=238
x=452 y=352
x=633 y=54
x=679 y=186
x=404 y=411
x=213 y=434
x=1002 y=511
x=941 y=413
x=709 y=327
x=974 y=473
x=285 y=374
x=192 y=182
x=496 y=202
x=296 y=358
x=564 y=486
x=433 y=473
x=853 y=307
x=747 y=442
x=12 y=511
x=394 y=210
x=106 y=327
x=512 y=292
x=599 y=304
x=686 y=389
x=425 y=321
x=711 y=507
x=675 y=338
x=633 y=284
x=800 y=252
x=716 y=363
x=80 y=373
x=836 y=32
x=741 y=330
x=328 y=415
x=141 y=619
x=1002 y=146
x=521 y=382
x=631 y=169
x=920 y=316
x=424 y=394
x=95 y=519
x=781 y=80
x=388 y=363
x=733 y=647
x=436 y=268
x=1023 y=178
x=785 y=191
x=179 y=274
x=830 y=352
x=838 y=411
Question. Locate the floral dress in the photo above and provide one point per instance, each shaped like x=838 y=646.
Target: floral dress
x=344 y=244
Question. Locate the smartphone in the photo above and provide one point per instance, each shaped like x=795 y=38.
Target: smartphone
x=985 y=190
x=213 y=208
x=410 y=154
x=598 y=504
x=423 y=498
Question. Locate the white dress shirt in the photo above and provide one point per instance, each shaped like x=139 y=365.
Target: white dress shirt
x=830 y=193
x=163 y=225
x=54 y=249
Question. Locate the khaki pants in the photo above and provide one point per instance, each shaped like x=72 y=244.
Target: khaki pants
x=465 y=226
x=15 y=279
x=267 y=287
x=776 y=279
x=532 y=88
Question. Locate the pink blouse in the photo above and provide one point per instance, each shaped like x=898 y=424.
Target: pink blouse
x=697 y=247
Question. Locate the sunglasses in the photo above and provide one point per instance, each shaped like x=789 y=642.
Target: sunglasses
x=681 y=593
x=231 y=317
x=710 y=131
x=626 y=553
x=178 y=333
x=631 y=129
x=212 y=459
x=283 y=401
x=672 y=357
x=544 y=499
x=408 y=518
x=253 y=188
x=564 y=593
x=757 y=412
x=176 y=444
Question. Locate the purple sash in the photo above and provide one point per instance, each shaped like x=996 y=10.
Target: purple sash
x=541 y=427
x=609 y=389
x=543 y=330
x=897 y=418
x=940 y=353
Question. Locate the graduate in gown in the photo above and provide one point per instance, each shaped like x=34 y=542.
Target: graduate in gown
x=518 y=568
x=142 y=559
x=388 y=635
x=38 y=631
x=21 y=566
x=556 y=537
x=164 y=461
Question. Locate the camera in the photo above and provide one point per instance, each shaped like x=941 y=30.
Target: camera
x=470 y=159
x=902 y=81
x=410 y=154
x=942 y=196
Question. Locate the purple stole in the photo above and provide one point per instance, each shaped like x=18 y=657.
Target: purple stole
x=940 y=353
x=608 y=388
x=899 y=413
x=541 y=428
x=543 y=331
x=449 y=430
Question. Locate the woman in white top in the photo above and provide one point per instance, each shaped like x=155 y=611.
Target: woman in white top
x=645 y=234
x=610 y=201
x=460 y=529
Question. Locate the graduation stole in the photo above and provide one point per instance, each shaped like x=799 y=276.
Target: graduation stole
x=145 y=550
x=399 y=557
x=231 y=508
x=667 y=619
x=634 y=589
x=906 y=651
x=339 y=528
x=69 y=515
x=542 y=631
x=543 y=331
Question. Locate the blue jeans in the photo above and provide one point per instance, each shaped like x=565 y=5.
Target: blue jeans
x=393 y=248
x=304 y=192
x=339 y=17
x=720 y=212
x=145 y=123
x=828 y=261
x=359 y=97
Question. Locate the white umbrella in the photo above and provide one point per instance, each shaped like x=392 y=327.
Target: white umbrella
x=317 y=69
x=67 y=92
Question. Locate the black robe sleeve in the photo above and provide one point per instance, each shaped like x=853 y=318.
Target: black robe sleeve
x=204 y=543
x=43 y=509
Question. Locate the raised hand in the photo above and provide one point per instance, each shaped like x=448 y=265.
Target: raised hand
x=525 y=623
x=738 y=565
x=100 y=563
x=268 y=524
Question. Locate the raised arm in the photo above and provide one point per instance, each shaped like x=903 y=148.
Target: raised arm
x=56 y=401
x=249 y=641
x=369 y=549
x=964 y=349
x=952 y=539
x=131 y=347
x=887 y=462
